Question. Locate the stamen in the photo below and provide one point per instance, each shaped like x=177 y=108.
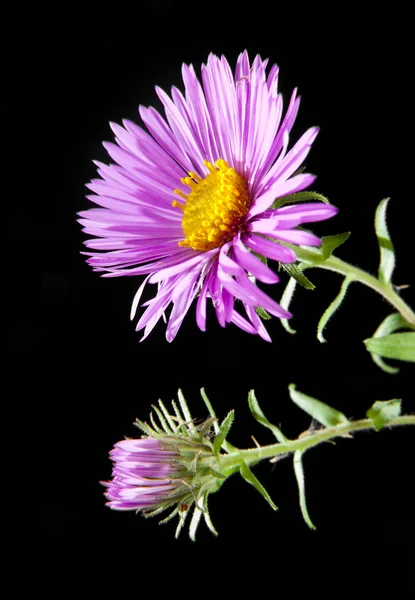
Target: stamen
x=215 y=208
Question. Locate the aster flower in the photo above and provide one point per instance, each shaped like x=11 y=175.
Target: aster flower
x=175 y=466
x=189 y=203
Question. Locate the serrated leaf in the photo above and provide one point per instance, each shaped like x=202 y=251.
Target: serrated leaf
x=329 y=312
x=382 y=412
x=261 y=312
x=321 y=412
x=285 y=303
x=294 y=271
x=400 y=346
x=223 y=431
x=300 y=197
x=331 y=242
x=250 y=478
x=389 y=325
x=387 y=254
x=261 y=418
x=299 y=474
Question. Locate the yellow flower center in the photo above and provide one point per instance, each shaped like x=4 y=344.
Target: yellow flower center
x=215 y=208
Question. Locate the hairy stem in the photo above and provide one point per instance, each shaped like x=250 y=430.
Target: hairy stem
x=313 y=258
x=252 y=456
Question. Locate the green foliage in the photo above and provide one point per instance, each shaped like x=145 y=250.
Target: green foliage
x=223 y=432
x=261 y=418
x=383 y=412
x=387 y=254
x=331 y=242
x=332 y=308
x=250 y=478
x=321 y=412
x=299 y=474
x=400 y=346
x=296 y=272
x=300 y=197
x=392 y=323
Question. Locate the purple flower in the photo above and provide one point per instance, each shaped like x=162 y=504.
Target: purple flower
x=143 y=475
x=190 y=202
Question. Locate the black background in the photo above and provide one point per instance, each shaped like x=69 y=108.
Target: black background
x=78 y=372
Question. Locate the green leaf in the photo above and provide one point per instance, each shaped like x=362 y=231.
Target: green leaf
x=299 y=474
x=285 y=303
x=223 y=431
x=396 y=345
x=387 y=255
x=263 y=313
x=389 y=325
x=299 y=197
x=384 y=412
x=331 y=242
x=329 y=312
x=321 y=412
x=250 y=478
x=210 y=409
x=295 y=272
x=261 y=418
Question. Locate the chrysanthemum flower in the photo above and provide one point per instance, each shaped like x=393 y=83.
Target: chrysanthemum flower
x=189 y=203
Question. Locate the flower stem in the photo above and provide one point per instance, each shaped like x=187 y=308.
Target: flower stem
x=230 y=462
x=314 y=258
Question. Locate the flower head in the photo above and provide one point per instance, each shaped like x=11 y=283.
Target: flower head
x=176 y=465
x=189 y=203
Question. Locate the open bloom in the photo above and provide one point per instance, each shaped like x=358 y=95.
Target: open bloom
x=189 y=203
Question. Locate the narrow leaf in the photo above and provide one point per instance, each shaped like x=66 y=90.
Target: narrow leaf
x=396 y=345
x=285 y=303
x=194 y=522
x=210 y=409
x=294 y=271
x=223 y=432
x=261 y=418
x=321 y=412
x=389 y=325
x=300 y=197
x=387 y=255
x=299 y=474
x=262 y=313
x=207 y=518
x=250 y=478
x=331 y=242
x=329 y=312
x=382 y=413
x=185 y=408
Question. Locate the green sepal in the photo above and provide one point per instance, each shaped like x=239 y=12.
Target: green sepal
x=400 y=346
x=261 y=418
x=389 y=325
x=299 y=474
x=331 y=242
x=294 y=271
x=383 y=412
x=299 y=197
x=331 y=309
x=250 y=478
x=387 y=254
x=321 y=412
x=261 y=312
x=223 y=432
